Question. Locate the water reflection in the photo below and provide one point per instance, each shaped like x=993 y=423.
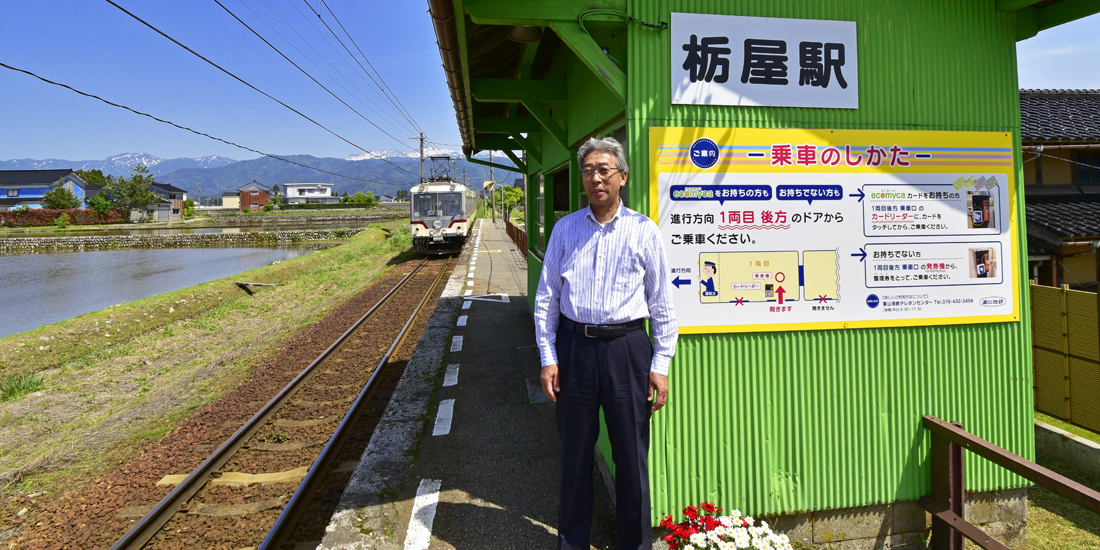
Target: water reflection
x=200 y=229
x=47 y=288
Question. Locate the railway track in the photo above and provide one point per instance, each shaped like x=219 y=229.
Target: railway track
x=294 y=455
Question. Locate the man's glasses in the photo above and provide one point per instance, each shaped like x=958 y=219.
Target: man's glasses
x=587 y=173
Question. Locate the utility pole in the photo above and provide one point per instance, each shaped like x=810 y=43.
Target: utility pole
x=200 y=192
x=421 y=138
x=492 y=192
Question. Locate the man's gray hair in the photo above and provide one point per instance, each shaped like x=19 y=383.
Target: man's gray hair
x=606 y=144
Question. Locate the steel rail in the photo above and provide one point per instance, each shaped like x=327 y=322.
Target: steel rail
x=292 y=512
x=149 y=525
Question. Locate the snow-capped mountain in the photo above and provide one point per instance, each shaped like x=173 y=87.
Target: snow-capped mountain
x=429 y=151
x=119 y=165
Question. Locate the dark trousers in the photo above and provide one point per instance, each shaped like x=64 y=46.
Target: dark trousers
x=612 y=373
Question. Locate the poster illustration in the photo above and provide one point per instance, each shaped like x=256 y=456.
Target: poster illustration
x=816 y=229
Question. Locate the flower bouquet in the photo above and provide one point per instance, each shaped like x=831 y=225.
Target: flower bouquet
x=705 y=528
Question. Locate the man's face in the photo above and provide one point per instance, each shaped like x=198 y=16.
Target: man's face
x=602 y=191
x=709 y=271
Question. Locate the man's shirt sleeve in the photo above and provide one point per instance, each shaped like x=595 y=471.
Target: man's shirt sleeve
x=658 y=294
x=547 y=298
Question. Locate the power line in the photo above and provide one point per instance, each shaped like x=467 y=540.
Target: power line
x=235 y=77
x=388 y=118
x=406 y=115
x=193 y=131
x=227 y=10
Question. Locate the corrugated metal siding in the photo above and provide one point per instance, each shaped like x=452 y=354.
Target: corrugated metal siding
x=785 y=422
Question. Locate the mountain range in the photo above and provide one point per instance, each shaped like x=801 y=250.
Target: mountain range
x=381 y=172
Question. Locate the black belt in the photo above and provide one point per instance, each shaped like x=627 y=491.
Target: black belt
x=602 y=331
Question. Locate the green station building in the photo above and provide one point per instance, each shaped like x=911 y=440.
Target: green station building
x=864 y=155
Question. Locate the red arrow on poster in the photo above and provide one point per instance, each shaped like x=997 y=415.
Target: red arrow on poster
x=779 y=292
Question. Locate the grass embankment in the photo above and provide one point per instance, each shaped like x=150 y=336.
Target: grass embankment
x=81 y=396
x=1053 y=522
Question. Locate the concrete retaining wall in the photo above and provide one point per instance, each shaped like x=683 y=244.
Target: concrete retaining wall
x=36 y=245
x=1069 y=449
x=368 y=218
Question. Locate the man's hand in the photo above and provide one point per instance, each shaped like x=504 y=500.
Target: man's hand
x=550 y=383
x=658 y=389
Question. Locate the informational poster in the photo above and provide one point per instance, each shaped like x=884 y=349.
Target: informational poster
x=815 y=229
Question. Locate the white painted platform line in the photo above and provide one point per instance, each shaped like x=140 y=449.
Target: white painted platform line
x=468 y=292
x=462 y=320
x=419 y=535
x=443 y=417
x=469 y=283
x=450 y=378
x=466 y=304
x=456 y=343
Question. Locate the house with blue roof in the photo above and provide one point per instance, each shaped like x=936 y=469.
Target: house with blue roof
x=27 y=187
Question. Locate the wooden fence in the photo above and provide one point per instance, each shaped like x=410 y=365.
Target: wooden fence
x=1065 y=343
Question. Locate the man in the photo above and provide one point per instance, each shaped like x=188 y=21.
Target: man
x=604 y=272
x=707 y=280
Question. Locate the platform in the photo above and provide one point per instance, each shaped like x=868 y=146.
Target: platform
x=467 y=454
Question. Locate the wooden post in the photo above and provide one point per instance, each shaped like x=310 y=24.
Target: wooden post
x=947 y=489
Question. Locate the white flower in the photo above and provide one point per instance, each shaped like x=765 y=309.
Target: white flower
x=748 y=520
x=741 y=538
x=713 y=536
x=721 y=531
x=688 y=547
x=698 y=539
x=737 y=513
x=726 y=521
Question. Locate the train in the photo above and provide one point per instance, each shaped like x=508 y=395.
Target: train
x=440 y=211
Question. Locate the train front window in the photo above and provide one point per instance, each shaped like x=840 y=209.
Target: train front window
x=424 y=204
x=450 y=204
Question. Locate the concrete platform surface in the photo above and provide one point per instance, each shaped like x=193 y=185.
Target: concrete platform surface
x=467 y=454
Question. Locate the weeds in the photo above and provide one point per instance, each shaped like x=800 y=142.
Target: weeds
x=16 y=385
x=275 y=437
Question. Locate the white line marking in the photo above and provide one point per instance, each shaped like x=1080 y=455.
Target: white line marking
x=443 y=417
x=419 y=535
x=468 y=292
x=450 y=378
x=466 y=304
x=462 y=320
x=456 y=343
x=469 y=283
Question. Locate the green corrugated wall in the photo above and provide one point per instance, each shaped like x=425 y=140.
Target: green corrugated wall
x=786 y=422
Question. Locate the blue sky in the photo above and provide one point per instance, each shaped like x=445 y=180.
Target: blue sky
x=93 y=46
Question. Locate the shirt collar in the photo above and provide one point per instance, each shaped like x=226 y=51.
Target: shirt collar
x=618 y=212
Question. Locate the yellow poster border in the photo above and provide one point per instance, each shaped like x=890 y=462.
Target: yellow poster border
x=660 y=136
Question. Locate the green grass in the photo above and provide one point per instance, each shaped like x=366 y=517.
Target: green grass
x=16 y=385
x=1066 y=426
x=1054 y=523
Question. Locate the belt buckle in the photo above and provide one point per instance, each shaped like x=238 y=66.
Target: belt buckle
x=596 y=327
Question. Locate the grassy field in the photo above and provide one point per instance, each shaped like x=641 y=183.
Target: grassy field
x=80 y=396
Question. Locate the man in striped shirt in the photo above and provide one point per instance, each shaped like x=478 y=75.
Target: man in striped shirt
x=603 y=274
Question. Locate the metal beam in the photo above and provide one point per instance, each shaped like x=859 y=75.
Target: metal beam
x=506 y=125
x=1066 y=11
x=510 y=12
x=492 y=164
x=516 y=160
x=1015 y=5
x=592 y=56
x=501 y=90
x=543 y=116
x=532 y=152
x=1027 y=23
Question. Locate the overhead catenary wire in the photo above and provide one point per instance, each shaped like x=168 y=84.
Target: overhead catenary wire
x=382 y=115
x=235 y=77
x=192 y=130
x=398 y=105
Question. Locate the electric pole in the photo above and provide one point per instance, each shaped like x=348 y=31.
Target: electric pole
x=492 y=192
x=421 y=138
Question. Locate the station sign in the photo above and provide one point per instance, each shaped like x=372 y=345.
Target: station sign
x=815 y=229
x=763 y=61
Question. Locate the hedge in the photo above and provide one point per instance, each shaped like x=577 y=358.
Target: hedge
x=330 y=206
x=43 y=217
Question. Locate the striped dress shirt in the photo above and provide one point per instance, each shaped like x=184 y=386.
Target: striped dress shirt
x=606 y=274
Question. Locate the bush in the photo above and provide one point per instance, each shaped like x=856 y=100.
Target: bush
x=61 y=221
x=45 y=217
x=269 y=207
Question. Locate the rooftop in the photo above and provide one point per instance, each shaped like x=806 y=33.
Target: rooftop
x=1059 y=116
x=32 y=177
x=1073 y=216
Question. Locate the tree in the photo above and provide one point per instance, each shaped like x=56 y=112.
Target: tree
x=402 y=194
x=512 y=195
x=188 y=208
x=345 y=198
x=276 y=197
x=133 y=192
x=99 y=204
x=60 y=198
x=94 y=177
x=363 y=198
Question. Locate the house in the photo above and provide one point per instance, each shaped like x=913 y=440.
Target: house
x=231 y=200
x=309 y=193
x=386 y=198
x=170 y=196
x=27 y=187
x=1060 y=135
x=254 y=195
